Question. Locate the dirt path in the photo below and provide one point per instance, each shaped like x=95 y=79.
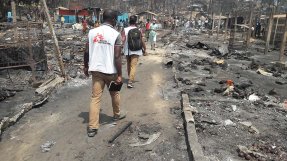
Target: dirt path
x=64 y=120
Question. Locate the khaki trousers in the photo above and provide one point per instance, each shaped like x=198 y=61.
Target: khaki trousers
x=132 y=62
x=99 y=80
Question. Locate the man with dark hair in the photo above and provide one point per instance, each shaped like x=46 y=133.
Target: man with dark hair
x=132 y=56
x=103 y=59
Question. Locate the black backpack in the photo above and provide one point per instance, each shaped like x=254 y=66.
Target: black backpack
x=135 y=40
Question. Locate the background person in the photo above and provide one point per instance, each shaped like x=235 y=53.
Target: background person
x=152 y=35
x=132 y=56
x=85 y=25
x=147 y=28
x=62 y=21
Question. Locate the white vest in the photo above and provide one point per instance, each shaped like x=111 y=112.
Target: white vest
x=126 y=50
x=101 y=49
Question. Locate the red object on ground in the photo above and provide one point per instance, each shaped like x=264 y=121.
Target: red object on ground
x=229 y=82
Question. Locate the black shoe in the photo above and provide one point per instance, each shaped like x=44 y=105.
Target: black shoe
x=92 y=132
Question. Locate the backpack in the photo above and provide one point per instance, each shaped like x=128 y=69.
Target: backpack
x=135 y=40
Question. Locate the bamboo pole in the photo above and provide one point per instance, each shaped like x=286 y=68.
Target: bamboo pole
x=269 y=31
x=14 y=14
x=283 y=42
x=213 y=23
x=57 y=48
x=191 y=3
x=250 y=25
x=219 y=23
x=31 y=60
x=275 y=32
x=231 y=36
x=236 y=15
x=226 y=27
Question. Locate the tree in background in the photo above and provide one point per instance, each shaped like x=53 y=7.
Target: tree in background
x=5 y=6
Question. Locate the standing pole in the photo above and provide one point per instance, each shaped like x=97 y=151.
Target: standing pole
x=31 y=60
x=219 y=23
x=191 y=3
x=283 y=42
x=275 y=32
x=269 y=31
x=213 y=23
x=236 y=15
x=57 y=48
x=250 y=24
x=14 y=14
x=226 y=27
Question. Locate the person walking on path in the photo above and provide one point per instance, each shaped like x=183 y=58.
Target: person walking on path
x=152 y=35
x=132 y=35
x=147 y=29
x=103 y=59
x=85 y=25
x=62 y=21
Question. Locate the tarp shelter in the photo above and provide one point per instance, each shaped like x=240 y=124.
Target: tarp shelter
x=123 y=16
x=143 y=16
x=70 y=15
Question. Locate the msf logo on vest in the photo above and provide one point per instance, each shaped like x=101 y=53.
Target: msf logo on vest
x=99 y=38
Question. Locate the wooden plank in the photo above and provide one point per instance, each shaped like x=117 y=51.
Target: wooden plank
x=51 y=84
x=193 y=146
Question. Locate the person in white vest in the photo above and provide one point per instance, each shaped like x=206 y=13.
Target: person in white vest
x=103 y=60
x=132 y=52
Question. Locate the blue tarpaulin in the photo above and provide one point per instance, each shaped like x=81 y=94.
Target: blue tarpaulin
x=123 y=17
x=71 y=19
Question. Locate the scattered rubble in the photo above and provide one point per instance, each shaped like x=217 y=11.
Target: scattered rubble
x=222 y=84
x=17 y=83
x=229 y=123
x=46 y=147
x=262 y=151
x=151 y=139
x=253 y=98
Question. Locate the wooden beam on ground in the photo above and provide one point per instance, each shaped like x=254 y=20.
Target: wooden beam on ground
x=194 y=148
x=115 y=136
x=49 y=85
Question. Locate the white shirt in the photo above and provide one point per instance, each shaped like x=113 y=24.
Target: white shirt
x=101 y=49
x=126 y=50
